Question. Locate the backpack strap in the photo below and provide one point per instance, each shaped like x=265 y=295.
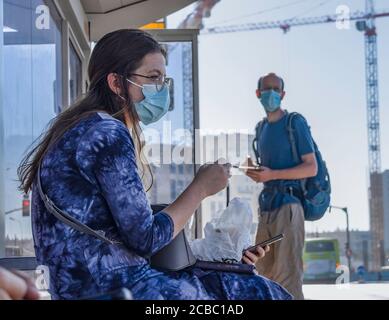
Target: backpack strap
x=255 y=145
x=292 y=141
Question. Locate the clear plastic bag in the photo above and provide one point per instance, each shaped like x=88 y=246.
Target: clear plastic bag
x=226 y=236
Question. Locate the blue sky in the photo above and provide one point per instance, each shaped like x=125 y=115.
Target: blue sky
x=324 y=73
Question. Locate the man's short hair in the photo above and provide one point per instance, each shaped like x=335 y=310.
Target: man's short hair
x=271 y=74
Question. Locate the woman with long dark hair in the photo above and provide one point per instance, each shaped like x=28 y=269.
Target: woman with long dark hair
x=91 y=167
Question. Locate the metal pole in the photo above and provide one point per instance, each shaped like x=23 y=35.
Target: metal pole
x=14 y=210
x=228 y=194
x=348 y=239
x=348 y=246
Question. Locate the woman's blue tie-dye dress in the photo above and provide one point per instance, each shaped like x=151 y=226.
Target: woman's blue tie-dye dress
x=91 y=173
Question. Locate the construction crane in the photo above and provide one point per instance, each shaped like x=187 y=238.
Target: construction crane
x=365 y=22
x=373 y=121
x=285 y=25
x=368 y=27
x=202 y=10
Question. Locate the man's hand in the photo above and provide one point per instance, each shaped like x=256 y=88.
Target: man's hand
x=252 y=258
x=263 y=174
x=15 y=285
x=248 y=162
x=308 y=168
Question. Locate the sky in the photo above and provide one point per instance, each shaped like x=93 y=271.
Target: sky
x=324 y=73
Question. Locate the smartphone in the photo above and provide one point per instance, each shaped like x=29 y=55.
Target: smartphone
x=265 y=243
x=247 y=168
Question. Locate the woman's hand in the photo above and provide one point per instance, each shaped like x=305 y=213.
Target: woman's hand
x=210 y=179
x=213 y=177
x=252 y=258
x=15 y=285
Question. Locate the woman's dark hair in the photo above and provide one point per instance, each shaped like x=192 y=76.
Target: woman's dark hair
x=119 y=52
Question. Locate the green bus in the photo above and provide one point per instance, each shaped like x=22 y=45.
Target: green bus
x=321 y=258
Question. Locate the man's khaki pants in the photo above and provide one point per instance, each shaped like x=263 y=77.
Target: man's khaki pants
x=283 y=263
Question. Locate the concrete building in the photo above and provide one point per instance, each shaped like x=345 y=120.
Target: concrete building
x=377 y=220
x=385 y=197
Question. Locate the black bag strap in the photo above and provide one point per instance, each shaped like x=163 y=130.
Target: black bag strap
x=67 y=218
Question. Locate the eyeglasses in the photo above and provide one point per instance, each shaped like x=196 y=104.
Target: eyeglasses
x=160 y=81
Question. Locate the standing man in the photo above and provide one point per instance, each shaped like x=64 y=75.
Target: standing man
x=280 y=208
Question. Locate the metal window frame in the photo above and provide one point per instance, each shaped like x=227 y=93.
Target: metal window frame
x=81 y=56
x=69 y=37
x=2 y=166
x=19 y=263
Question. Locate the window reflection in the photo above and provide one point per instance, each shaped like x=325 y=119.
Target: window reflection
x=75 y=74
x=169 y=131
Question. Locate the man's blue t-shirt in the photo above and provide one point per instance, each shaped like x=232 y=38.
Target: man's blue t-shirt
x=275 y=152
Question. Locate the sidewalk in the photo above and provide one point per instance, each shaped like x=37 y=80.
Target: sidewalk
x=352 y=291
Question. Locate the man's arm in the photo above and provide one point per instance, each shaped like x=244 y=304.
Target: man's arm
x=308 y=168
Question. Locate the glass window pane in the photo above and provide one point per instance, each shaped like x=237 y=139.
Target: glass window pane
x=234 y=147
x=32 y=95
x=170 y=140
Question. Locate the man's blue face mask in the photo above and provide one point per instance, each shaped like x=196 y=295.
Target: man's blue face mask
x=155 y=104
x=271 y=100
